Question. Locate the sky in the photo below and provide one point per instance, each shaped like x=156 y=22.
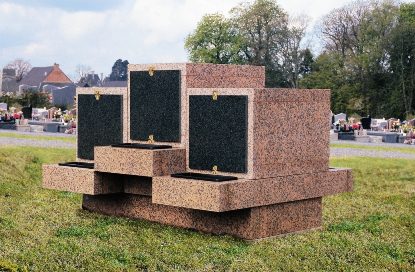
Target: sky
x=95 y=33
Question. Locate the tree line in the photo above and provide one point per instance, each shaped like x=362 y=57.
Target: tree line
x=367 y=55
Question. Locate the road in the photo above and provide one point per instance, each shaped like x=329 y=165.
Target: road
x=334 y=151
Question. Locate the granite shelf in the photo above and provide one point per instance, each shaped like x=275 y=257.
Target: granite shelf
x=244 y=193
x=71 y=178
x=140 y=162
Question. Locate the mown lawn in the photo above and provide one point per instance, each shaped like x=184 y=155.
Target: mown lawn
x=38 y=137
x=372 y=228
x=407 y=150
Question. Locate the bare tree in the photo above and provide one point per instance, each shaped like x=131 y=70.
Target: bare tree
x=82 y=71
x=341 y=28
x=290 y=54
x=22 y=67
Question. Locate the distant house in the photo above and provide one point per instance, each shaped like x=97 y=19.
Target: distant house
x=38 y=77
x=114 y=83
x=8 y=82
x=51 y=80
x=63 y=96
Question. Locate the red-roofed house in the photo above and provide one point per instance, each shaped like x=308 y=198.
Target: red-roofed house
x=38 y=77
x=51 y=80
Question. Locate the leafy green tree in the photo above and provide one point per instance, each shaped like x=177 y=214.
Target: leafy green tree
x=402 y=57
x=215 y=41
x=262 y=25
x=257 y=33
x=307 y=61
x=360 y=33
x=264 y=28
x=330 y=73
x=34 y=98
x=119 y=70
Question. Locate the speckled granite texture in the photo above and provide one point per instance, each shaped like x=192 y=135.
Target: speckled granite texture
x=198 y=75
x=91 y=182
x=287 y=131
x=138 y=185
x=80 y=180
x=109 y=128
x=140 y=162
x=242 y=193
x=249 y=224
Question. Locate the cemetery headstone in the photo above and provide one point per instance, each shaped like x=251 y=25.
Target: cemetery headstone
x=340 y=116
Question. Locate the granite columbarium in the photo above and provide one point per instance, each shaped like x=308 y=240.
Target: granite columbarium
x=204 y=147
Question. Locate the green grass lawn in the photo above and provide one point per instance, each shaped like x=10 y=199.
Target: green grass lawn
x=408 y=150
x=39 y=137
x=372 y=228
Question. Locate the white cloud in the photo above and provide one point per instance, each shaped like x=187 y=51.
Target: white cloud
x=141 y=31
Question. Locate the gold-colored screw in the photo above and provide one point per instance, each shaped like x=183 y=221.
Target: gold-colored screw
x=150 y=139
x=215 y=95
x=215 y=169
x=97 y=95
x=151 y=70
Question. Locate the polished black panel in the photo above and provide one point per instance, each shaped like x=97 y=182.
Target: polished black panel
x=155 y=104
x=142 y=146
x=207 y=177
x=78 y=164
x=218 y=133
x=99 y=123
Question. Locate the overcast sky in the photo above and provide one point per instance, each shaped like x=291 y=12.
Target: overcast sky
x=97 y=32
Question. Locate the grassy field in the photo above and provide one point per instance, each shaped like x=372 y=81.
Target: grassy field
x=38 y=137
x=372 y=228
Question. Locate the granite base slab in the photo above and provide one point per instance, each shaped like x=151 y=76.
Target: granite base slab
x=140 y=162
x=80 y=180
x=244 y=193
x=249 y=224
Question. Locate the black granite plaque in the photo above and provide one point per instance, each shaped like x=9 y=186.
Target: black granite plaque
x=206 y=177
x=142 y=146
x=218 y=133
x=155 y=105
x=99 y=123
x=78 y=164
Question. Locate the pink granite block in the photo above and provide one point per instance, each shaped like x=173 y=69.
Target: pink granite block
x=80 y=180
x=287 y=131
x=242 y=193
x=226 y=70
x=206 y=81
x=249 y=224
x=140 y=162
